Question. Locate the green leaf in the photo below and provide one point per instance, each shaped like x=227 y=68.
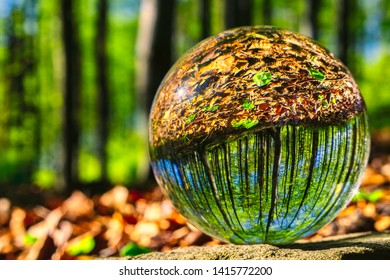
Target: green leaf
x=375 y=196
x=132 y=249
x=190 y=118
x=237 y=124
x=83 y=246
x=248 y=104
x=210 y=108
x=185 y=138
x=29 y=239
x=359 y=196
x=249 y=123
x=325 y=104
x=262 y=79
x=372 y=197
x=317 y=74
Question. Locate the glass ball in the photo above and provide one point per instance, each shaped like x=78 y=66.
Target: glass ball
x=258 y=135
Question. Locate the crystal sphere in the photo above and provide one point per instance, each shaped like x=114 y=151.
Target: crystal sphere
x=258 y=135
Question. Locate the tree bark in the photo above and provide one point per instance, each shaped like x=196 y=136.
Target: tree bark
x=344 y=37
x=71 y=128
x=205 y=18
x=314 y=9
x=102 y=82
x=154 y=54
x=154 y=46
x=267 y=12
x=238 y=13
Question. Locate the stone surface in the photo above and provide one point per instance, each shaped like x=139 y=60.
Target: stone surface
x=362 y=246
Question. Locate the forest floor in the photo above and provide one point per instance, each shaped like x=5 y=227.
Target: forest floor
x=122 y=222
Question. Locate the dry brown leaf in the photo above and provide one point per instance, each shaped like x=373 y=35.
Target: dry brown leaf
x=153 y=212
x=115 y=230
x=62 y=234
x=17 y=228
x=42 y=249
x=78 y=205
x=115 y=198
x=382 y=224
x=48 y=225
x=370 y=210
x=143 y=232
x=5 y=242
x=5 y=210
x=385 y=170
x=180 y=233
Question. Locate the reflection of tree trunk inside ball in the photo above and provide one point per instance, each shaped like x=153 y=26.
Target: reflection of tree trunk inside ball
x=275 y=186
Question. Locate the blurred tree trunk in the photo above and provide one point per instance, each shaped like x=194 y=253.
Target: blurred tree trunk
x=18 y=67
x=154 y=54
x=344 y=32
x=154 y=46
x=351 y=31
x=15 y=77
x=102 y=85
x=314 y=10
x=238 y=13
x=205 y=18
x=267 y=12
x=21 y=118
x=71 y=93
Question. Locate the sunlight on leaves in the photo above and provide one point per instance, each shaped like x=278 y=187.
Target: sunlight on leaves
x=248 y=123
x=190 y=118
x=262 y=79
x=44 y=178
x=29 y=239
x=372 y=197
x=317 y=74
x=248 y=104
x=90 y=166
x=82 y=246
x=132 y=249
x=210 y=108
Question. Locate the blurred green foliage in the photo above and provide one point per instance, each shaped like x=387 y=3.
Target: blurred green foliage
x=132 y=249
x=83 y=246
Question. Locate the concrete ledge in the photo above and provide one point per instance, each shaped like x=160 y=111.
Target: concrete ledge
x=363 y=246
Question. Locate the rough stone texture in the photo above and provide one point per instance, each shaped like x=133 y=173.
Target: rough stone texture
x=366 y=246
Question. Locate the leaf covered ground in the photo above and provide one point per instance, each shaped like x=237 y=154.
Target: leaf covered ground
x=122 y=222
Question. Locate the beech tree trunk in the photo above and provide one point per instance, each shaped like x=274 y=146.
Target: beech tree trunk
x=154 y=47
x=267 y=12
x=344 y=36
x=154 y=54
x=314 y=9
x=238 y=13
x=71 y=93
x=102 y=86
x=205 y=18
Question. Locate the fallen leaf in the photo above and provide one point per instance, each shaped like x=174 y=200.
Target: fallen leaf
x=5 y=210
x=115 y=198
x=382 y=224
x=81 y=245
x=77 y=205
